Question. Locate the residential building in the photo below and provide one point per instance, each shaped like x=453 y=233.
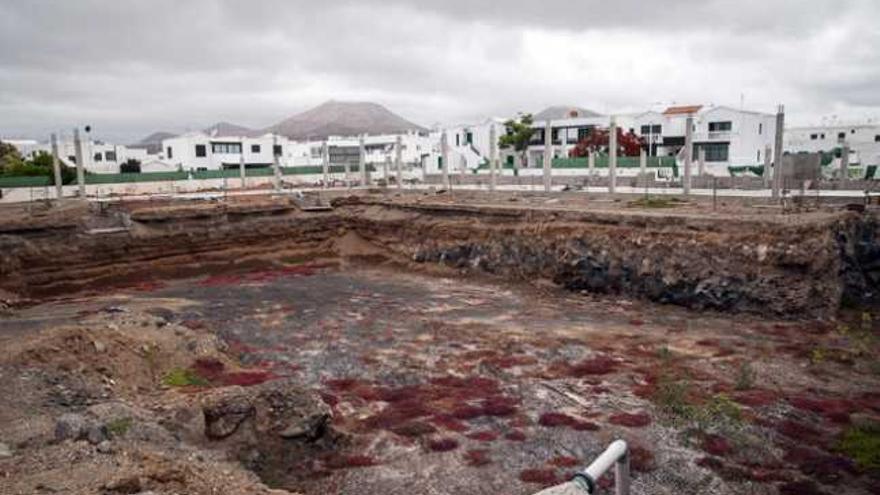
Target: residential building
x=863 y=140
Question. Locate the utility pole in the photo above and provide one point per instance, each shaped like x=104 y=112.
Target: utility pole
x=325 y=163
x=56 y=167
x=777 y=151
x=80 y=171
x=362 y=160
x=493 y=156
x=398 y=161
x=444 y=158
x=548 y=155
x=688 y=153
x=612 y=156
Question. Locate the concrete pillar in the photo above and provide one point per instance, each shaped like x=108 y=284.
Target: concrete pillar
x=398 y=161
x=612 y=156
x=276 y=168
x=462 y=167
x=56 y=168
x=701 y=162
x=80 y=169
x=362 y=161
x=241 y=168
x=768 y=165
x=688 y=153
x=844 y=164
x=325 y=163
x=777 y=152
x=643 y=165
x=591 y=163
x=548 y=156
x=493 y=157
x=386 y=165
x=444 y=158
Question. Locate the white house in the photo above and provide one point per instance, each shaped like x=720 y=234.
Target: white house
x=468 y=146
x=199 y=151
x=99 y=157
x=863 y=140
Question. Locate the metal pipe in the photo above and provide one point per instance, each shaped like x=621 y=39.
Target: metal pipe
x=614 y=455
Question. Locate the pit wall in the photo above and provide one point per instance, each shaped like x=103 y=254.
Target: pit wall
x=796 y=269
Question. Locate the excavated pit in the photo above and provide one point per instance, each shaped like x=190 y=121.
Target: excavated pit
x=495 y=348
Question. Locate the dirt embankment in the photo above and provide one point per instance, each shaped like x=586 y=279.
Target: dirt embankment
x=127 y=402
x=781 y=266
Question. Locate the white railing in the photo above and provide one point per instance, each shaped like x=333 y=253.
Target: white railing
x=617 y=455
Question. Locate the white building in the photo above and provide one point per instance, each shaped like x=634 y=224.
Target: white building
x=99 y=157
x=199 y=151
x=469 y=146
x=862 y=139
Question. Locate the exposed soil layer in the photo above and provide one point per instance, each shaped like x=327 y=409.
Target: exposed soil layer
x=795 y=265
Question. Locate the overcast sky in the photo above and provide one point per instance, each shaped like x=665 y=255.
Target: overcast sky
x=130 y=67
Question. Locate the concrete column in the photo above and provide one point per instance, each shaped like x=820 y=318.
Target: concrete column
x=444 y=157
x=768 y=162
x=80 y=170
x=386 y=165
x=591 y=163
x=462 y=167
x=777 y=152
x=362 y=161
x=548 y=156
x=701 y=163
x=688 y=153
x=241 y=168
x=276 y=168
x=347 y=172
x=612 y=156
x=493 y=157
x=398 y=161
x=844 y=164
x=325 y=163
x=643 y=165
x=56 y=168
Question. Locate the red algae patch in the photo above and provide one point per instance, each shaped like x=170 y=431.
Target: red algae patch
x=601 y=365
x=556 y=420
x=477 y=458
x=483 y=436
x=641 y=459
x=716 y=445
x=636 y=420
x=413 y=429
x=443 y=444
x=516 y=436
x=564 y=461
x=544 y=477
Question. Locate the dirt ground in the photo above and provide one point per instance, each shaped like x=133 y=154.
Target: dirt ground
x=442 y=384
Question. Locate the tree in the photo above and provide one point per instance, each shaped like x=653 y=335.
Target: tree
x=131 y=166
x=628 y=144
x=517 y=135
x=10 y=158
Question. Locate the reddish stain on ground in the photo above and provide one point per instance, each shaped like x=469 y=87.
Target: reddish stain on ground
x=544 y=477
x=716 y=445
x=555 y=420
x=516 y=436
x=836 y=410
x=800 y=488
x=797 y=430
x=564 y=461
x=636 y=420
x=477 y=457
x=214 y=371
x=641 y=459
x=755 y=398
x=443 y=444
x=601 y=365
x=449 y=423
x=413 y=429
x=348 y=461
x=483 y=436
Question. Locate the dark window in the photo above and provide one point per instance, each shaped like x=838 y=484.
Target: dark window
x=226 y=148
x=72 y=159
x=469 y=137
x=99 y=157
x=110 y=156
x=760 y=128
x=715 y=152
x=852 y=131
x=841 y=136
x=170 y=153
x=877 y=138
x=822 y=136
x=720 y=126
x=255 y=148
x=814 y=136
x=652 y=129
x=201 y=151
x=277 y=150
x=457 y=140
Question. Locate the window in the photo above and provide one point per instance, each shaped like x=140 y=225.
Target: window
x=720 y=126
x=852 y=131
x=99 y=157
x=277 y=150
x=110 y=156
x=255 y=148
x=715 y=152
x=841 y=136
x=71 y=159
x=822 y=136
x=457 y=140
x=226 y=148
x=877 y=138
x=201 y=151
x=651 y=129
x=814 y=137
x=169 y=153
x=760 y=128
x=469 y=137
